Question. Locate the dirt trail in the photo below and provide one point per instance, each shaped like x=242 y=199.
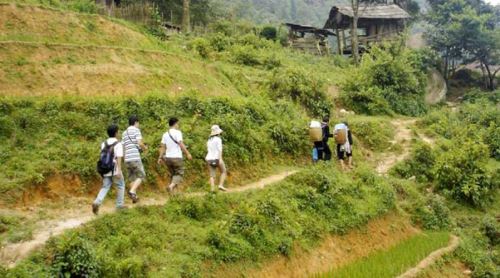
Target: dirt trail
x=402 y=138
x=12 y=253
x=432 y=258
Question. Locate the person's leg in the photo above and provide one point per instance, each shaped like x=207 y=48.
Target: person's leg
x=211 y=171
x=328 y=152
x=340 y=156
x=106 y=185
x=137 y=175
x=319 y=147
x=349 y=160
x=178 y=172
x=120 y=192
x=223 y=175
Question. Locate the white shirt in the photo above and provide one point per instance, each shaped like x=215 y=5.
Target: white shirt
x=214 y=147
x=173 y=149
x=130 y=139
x=118 y=152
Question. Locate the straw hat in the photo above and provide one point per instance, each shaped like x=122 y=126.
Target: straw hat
x=215 y=130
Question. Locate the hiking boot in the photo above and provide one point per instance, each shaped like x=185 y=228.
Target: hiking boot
x=222 y=188
x=95 y=209
x=133 y=196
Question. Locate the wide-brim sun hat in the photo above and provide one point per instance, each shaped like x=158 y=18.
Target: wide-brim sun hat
x=215 y=130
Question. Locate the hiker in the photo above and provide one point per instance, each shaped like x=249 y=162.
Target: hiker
x=110 y=168
x=171 y=151
x=214 y=158
x=343 y=138
x=134 y=146
x=324 y=152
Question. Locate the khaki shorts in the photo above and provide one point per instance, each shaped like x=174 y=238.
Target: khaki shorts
x=135 y=170
x=213 y=170
x=176 y=168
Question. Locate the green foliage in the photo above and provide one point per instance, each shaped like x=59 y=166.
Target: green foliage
x=461 y=173
x=74 y=128
x=300 y=86
x=433 y=214
x=269 y=33
x=180 y=237
x=73 y=257
x=374 y=134
x=420 y=165
x=389 y=79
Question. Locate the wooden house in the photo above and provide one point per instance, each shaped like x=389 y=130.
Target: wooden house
x=309 y=39
x=376 y=23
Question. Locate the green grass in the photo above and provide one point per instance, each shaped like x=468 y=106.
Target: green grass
x=390 y=263
x=189 y=236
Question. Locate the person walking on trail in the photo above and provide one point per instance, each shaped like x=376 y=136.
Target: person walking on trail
x=324 y=151
x=171 y=150
x=214 y=158
x=343 y=138
x=134 y=146
x=110 y=168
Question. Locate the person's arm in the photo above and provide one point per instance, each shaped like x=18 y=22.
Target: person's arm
x=163 y=149
x=330 y=135
x=349 y=137
x=119 y=167
x=185 y=150
x=219 y=146
x=140 y=142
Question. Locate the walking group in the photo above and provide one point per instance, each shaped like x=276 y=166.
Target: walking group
x=319 y=133
x=127 y=152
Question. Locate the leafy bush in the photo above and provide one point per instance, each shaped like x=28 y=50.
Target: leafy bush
x=202 y=47
x=389 y=79
x=374 y=134
x=74 y=257
x=461 y=172
x=302 y=87
x=420 y=165
x=433 y=214
x=245 y=55
x=269 y=33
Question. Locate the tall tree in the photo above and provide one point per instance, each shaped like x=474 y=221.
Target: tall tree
x=358 y=7
x=186 y=18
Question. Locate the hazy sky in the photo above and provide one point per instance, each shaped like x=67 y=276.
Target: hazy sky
x=494 y=2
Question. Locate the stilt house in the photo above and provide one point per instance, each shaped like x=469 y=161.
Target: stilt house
x=309 y=39
x=376 y=23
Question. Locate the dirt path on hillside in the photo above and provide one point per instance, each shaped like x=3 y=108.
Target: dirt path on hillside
x=402 y=137
x=432 y=258
x=10 y=254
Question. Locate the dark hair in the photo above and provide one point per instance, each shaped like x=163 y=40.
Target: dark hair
x=345 y=122
x=326 y=119
x=172 y=121
x=112 y=130
x=132 y=120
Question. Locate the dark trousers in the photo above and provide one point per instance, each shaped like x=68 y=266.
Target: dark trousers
x=324 y=152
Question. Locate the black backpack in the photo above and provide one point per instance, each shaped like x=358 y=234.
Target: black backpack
x=106 y=161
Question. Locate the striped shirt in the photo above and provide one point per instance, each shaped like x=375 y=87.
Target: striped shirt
x=130 y=138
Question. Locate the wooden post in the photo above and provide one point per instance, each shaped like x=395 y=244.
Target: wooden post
x=339 y=43
x=344 y=41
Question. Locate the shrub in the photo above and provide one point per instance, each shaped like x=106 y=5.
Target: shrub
x=202 y=47
x=302 y=87
x=419 y=165
x=433 y=214
x=269 y=33
x=74 y=257
x=388 y=79
x=460 y=171
x=245 y=55
x=375 y=134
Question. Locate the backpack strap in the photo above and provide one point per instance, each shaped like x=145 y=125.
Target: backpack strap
x=171 y=137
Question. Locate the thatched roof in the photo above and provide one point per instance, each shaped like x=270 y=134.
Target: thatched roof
x=309 y=29
x=375 y=11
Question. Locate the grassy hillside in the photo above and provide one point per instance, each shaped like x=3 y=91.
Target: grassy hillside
x=193 y=236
